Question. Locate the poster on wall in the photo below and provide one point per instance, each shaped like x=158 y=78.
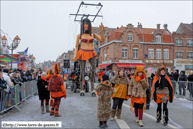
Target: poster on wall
x=188 y=67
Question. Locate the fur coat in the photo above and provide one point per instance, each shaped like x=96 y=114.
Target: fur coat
x=137 y=89
x=104 y=101
x=120 y=88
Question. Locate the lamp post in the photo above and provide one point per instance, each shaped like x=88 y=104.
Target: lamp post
x=13 y=46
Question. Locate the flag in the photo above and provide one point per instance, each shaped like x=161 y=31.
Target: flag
x=24 y=53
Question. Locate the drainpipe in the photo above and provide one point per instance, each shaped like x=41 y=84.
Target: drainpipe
x=173 y=48
x=143 y=46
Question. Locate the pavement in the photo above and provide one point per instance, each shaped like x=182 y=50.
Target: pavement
x=81 y=112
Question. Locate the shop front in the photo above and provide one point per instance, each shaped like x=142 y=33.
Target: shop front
x=155 y=64
x=184 y=64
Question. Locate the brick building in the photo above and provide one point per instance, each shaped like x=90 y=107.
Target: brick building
x=183 y=40
x=131 y=46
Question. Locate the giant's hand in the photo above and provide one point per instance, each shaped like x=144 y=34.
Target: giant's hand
x=102 y=27
x=75 y=59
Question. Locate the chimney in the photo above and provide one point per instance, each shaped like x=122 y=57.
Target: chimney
x=158 y=26
x=117 y=27
x=165 y=27
x=139 y=26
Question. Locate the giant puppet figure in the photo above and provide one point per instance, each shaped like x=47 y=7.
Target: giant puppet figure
x=86 y=52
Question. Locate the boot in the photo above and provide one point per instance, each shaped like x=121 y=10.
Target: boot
x=47 y=108
x=119 y=114
x=42 y=107
x=82 y=93
x=158 y=115
x=140 y=123
x=137 y=119
x=113 y=112
x=93 y=93
x=165 y=117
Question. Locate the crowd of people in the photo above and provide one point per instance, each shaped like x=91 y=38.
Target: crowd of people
x=9 y=78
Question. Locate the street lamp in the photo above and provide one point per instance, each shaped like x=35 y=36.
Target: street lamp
x=13 y=46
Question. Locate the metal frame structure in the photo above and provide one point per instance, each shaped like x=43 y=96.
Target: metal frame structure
x=87 y=15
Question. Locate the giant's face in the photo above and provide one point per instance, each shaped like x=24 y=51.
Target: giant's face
x=85 y=26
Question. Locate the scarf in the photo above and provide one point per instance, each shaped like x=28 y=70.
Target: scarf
x=162 y=82
x=44 y=78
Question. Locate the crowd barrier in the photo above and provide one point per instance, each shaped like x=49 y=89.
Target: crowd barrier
x=18 y=95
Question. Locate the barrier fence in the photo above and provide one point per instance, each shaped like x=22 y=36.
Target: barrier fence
x=18 y=94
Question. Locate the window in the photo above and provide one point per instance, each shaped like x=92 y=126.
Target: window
x=178 y=54
x=124 y=52
x=150 y=53
x=189 y=42
x=190 y=55
x=158 y=54
x=178 y=42
x=166 y=53
x=135 y=53
x=158 y=39
x=130 y=37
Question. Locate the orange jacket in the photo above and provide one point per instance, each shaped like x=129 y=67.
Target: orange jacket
x=100 y=75
x=153 y=89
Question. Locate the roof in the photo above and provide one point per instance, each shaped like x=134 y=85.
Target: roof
x=185 y=28
x=147 y=32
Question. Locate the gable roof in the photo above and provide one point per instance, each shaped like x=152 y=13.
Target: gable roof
x=147 y=32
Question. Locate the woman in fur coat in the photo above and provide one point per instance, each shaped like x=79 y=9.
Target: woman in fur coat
x=120 y=85
x=104 y=92
x=162 y=92
x=137 y=90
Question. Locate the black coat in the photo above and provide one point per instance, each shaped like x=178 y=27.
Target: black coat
x=23 y=77
x=152 y=75
x=16 y=81
x=183 y=77
x=43 y=92
x=190 y=78
x=175 y=76
x=3 y=83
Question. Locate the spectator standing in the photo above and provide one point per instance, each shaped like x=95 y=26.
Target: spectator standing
x=7 y=79
x=176 y=75
x=44 y=94
x=182 y=82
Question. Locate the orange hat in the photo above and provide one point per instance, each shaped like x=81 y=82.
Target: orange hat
x=140 y=69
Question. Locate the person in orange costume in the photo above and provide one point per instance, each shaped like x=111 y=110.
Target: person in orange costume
x=100 y=75
x=137 y=90
x=49 y=75
x=87 y=52
x=57 y=90
x=162 y=92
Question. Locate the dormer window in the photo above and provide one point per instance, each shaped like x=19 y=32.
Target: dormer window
x=129 y=37
x=158 y=39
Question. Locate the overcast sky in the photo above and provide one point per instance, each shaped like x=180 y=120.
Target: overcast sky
x=48 y=30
